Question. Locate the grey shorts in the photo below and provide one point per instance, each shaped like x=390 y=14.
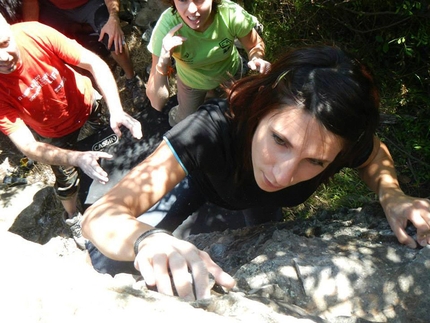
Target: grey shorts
x=94 y=13
x=190 y=99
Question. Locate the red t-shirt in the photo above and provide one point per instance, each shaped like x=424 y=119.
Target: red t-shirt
x=68 y=4
x=44 y=92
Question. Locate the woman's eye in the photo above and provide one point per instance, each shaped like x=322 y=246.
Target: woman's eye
x=316 y=162
x=4 y=44
x=278 y=140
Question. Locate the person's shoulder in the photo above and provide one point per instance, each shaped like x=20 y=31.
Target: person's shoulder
x=24 y=31
x=168 y=15
x=229 y=5
x=216 y=105
x=167 y=20
x=232 y=11
x=215 y=112
x=29 y=25
x=32 y=28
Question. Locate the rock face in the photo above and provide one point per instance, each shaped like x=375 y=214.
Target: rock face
x=341 y=267
x=347 y=273
x=375 y=280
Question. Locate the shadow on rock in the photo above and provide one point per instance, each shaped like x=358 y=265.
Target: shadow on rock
x=41 y=220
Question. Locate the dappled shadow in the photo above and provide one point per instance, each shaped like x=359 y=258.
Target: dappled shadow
x=342 y=272
x=129 y=151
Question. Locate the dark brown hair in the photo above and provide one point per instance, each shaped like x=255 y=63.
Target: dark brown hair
x=324 y=81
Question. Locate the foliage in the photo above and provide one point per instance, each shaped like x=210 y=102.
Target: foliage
x=392 y=37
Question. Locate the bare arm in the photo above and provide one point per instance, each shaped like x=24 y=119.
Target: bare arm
x=113 y=7
x=157 y=88
x=255 y=48
x=51 y=155
x=30 y=10
x=111 y=222
x=107 y=85
x=112 y=226
x=380 y=175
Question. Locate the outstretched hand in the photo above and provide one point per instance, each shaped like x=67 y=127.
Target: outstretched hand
x=402 y=208
x=121 y=118
x=162 y=255
x=88 y=162
x=259 y=65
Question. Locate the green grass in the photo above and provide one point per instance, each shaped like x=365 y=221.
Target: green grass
x=345 y=190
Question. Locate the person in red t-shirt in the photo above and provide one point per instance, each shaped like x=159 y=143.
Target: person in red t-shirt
x=103 y=18
x=44 y=103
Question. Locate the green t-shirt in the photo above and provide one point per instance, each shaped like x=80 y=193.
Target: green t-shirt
x=207 y=58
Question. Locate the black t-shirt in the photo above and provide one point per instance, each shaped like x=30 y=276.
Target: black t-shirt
x=203 y=144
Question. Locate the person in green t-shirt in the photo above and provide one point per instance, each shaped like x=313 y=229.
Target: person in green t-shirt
x=200 y=36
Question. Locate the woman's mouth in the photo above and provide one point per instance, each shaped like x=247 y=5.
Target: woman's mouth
x=270 y=185
x=7 y=64
x=8 y=67
x=194 y=20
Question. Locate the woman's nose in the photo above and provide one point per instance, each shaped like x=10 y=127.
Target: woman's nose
x=284 y=171
x=192 y=8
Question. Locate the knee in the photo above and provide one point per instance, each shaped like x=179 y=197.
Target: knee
x=67 y=182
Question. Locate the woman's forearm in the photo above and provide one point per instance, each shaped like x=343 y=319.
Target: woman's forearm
x=380 y=175
x=111 y=224
x=157 y=87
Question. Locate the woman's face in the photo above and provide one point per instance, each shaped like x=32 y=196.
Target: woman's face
x=9 y=53
x=197 y=14
x=291 y=146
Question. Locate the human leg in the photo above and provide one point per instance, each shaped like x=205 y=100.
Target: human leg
x=70 y=205
x=189 y=100
x=66 y=188
x=95 y=14
x=67 y=179
x=133 y=82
